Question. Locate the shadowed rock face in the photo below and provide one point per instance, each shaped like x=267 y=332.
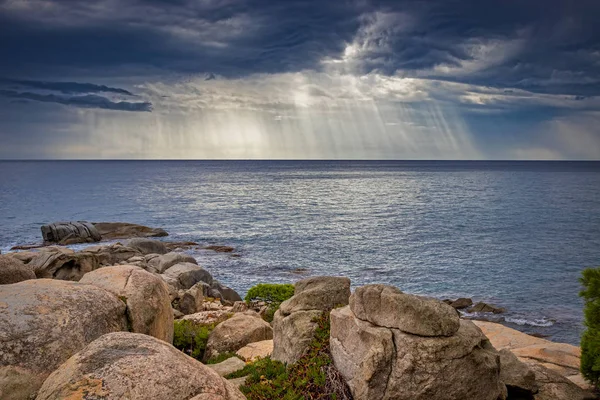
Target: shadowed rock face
x=136 y=367
x=375 y=348
x=12 y=270
x=146 y=296
x=44 y=322
x=293 y=323
x=62 y=263
x=70 y=232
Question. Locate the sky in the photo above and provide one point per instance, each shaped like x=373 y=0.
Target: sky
x=299 y=79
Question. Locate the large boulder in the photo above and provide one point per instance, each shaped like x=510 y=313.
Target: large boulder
x=44 y=322
x=387 y=306
x=187 y=275
x=518 y=377
x=13 y=270
x=163 y=262
x=294 y=323
x=146 y=296
x=70 y=232
x=123 y=230
x=236 y=332
x=62 y=263
x=147 y=246
x=135 y=367
x=113 y=254
x=386 y=362
x=226 y=294
x=554 y=386
x=191 y=301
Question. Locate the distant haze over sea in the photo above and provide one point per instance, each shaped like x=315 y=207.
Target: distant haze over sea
x=515 y=234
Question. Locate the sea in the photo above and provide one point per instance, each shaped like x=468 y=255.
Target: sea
x=513 y=234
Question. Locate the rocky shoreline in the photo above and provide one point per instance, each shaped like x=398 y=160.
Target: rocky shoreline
x=100 y=323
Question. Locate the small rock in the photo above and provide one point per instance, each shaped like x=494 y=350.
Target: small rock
x=209 y=317
x=220 y=249
x=253 y=351
x=166 y=261
x=239 y=306
x=235 y=333
x=147 y=246
x=484 y=307
x=188 y=274
x=229 y=366
x=461 y=303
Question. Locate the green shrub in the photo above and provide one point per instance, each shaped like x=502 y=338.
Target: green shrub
x=312 y=377
x=271 y=293
x=590 y=341
x=191 y=338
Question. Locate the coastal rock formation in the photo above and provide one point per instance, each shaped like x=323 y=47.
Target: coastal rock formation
x=146 y=296
x=389 y=362
x=256 y=350
x=518 y=377
x=161 y=263
x=44 y=322
x=62 y=263
x=147 y=246
x=486 y=308
x=13 y=270
x=560 y=357
x=187 y=275
x=136 y=367
x=191 y=300
x=113 y=254
x=236 y=332
x=70 y=232
x=294 y=323
x=123 y=230
x=387 y=306
x=554 y=386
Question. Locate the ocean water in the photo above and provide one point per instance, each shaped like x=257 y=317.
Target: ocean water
x=515 y=234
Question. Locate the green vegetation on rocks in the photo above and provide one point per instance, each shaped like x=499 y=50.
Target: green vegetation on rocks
x=312 y=377
x=191 y=338
x=272 y=294
x=590 y=341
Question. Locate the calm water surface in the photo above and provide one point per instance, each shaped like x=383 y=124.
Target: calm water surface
x=516 y=234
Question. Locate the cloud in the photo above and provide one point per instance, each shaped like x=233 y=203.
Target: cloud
x=85 y=101
x=65 y=87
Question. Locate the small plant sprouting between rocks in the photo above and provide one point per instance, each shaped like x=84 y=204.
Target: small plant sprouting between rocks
x=590 y=341
x=272 y=294
x=191 y=338
x=311 y=377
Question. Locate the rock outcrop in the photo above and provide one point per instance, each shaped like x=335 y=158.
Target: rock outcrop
x=185 y=275
x=236 y=332
x=44 y=322
x=147 y=246
x=123 y=230
x=146 y=296
x=62 y=263
x=70 y=232
x=518 y=377
x=554 y=386
x=135 y=367
x=446 y=360
x=256 y=350
x=294 y=323
x=161 y=263
x=12 y=270
x=113 y=254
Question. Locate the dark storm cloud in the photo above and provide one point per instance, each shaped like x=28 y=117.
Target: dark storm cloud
x=85 y=101
x=64 y=87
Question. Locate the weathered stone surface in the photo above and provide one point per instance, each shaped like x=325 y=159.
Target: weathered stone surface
x=13 y=270
x=188 y=274
x=292 y=334
x=318 y=293
x=387 y=306
x=226 y=294
x=518 y=377
x=229 y=366
x=253 y=351
x=147 y=246
x=461 y=303
x=239 y=306
x=166 y=261
x=62 y=263
x=560 y=357
x=191 y=301
x=146 y=296
x=484 y=307
x=209 y=317
x=554 y=386
x=236 y=332
x=383 y=363
x=46 y=321
x=135 y=367
x=70 y=232
x=112 y=254
x=123 y=230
